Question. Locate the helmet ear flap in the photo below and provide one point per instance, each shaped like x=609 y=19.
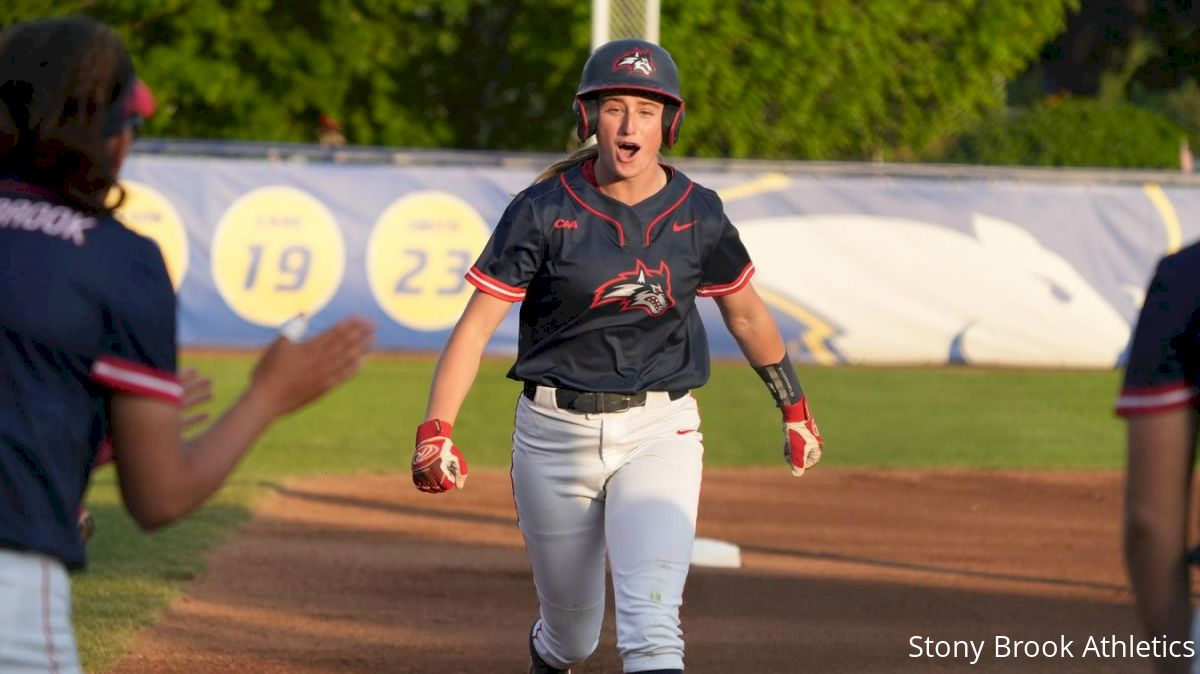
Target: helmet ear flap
x=587 y=116
x=672 y=119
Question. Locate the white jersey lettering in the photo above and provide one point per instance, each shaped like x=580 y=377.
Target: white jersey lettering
x=61 y=222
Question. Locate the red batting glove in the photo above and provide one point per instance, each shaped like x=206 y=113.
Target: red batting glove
x=802 y=440
x=437 y=465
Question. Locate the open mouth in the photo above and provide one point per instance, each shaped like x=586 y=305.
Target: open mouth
x=626 y=151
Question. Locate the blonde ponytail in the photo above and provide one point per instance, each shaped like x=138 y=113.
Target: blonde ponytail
x=561 y=166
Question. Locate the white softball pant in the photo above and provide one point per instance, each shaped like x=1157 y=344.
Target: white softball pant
x=629 y=479
x=35 y=615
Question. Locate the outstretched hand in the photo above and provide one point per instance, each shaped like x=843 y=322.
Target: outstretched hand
x=197 y=390
x=290 y=375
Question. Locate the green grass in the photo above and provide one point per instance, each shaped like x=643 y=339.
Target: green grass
x=890 y=417
x=882 y=417
x=133 y=577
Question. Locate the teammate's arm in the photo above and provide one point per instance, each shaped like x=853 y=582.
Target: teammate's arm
x=163 y=477
x=752 y=326
x=1156 y=506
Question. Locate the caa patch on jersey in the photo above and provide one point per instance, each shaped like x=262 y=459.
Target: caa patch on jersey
x=643 y=289
x=635 y=61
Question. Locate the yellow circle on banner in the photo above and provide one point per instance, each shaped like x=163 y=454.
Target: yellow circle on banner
x=277 y=252
x=420 y=250
x=147 y=212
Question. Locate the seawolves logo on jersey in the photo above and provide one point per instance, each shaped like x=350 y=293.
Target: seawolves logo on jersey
x=635 y=61
x=645 y=289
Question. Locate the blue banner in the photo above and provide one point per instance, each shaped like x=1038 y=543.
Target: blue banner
x=856 y=269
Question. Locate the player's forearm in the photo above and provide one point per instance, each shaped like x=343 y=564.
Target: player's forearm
x=748 y=320
x=211 y=456
x=455 y=373
x=1155 y=554
x=459 y=363
x=759 y=340
x=1164 y=609
x=164 y=477
x=189 y=475
x=1157 y=485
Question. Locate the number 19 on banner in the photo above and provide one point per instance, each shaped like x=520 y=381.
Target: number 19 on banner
x=277 y=252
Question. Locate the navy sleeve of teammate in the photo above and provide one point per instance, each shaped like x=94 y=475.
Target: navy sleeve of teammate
x=1161 y=373
x=513 y=254
x=138 y=350
x=726 y=267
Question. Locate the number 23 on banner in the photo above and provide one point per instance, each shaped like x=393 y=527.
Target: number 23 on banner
x=421 y=248
x=277 y=252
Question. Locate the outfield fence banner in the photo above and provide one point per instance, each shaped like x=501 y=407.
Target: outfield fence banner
x=1024 y=270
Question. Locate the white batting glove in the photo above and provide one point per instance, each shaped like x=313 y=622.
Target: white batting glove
x=437 y=465
x=802 y=439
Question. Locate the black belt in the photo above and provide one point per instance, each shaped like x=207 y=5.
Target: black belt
x=591 y=402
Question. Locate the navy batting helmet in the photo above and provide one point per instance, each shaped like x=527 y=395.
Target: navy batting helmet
x=634 y=65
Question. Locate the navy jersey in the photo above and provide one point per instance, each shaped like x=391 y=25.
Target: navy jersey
x=86 y=310
x=609 y=290
x=1164 y=357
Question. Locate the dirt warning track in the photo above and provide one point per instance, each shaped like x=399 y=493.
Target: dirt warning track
x=843 y=571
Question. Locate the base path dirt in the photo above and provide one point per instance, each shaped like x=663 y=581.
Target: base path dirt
x=843 y=571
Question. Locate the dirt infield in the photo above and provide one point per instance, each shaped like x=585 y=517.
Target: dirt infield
x=842 y=569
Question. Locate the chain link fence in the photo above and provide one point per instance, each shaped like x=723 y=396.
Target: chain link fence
x=622 y=19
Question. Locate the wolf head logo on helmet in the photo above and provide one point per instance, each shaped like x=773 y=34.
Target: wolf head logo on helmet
x=637 y=60
x=644 y=289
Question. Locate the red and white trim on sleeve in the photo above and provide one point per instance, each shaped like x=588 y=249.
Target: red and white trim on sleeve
x=491 y=286
x=129 y=377
x=1136 y=401
x=728 y=288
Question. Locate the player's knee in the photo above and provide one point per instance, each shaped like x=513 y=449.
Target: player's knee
x=571 y=637
x=577 y=648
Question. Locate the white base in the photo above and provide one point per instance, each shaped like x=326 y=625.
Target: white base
x=715 y=553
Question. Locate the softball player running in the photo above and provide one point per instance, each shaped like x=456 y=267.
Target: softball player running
x=1159 y=399
x=608 y=251
x=87 y=336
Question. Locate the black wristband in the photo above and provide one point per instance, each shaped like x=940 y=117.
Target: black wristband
x=781 y=381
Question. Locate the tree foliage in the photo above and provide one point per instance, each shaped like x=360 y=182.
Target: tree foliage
x=1075 y=132
x=827 y=79
x=416 y=73
x=822 y=79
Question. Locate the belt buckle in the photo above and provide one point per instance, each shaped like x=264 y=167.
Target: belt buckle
x=622 y=402
x=583 y=402
x=594 y=402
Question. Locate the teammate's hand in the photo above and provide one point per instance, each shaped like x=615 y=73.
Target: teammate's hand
x=197 y=390
x=87 y=524
x=290 y=375
x=437 y=465
x=802 y=440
